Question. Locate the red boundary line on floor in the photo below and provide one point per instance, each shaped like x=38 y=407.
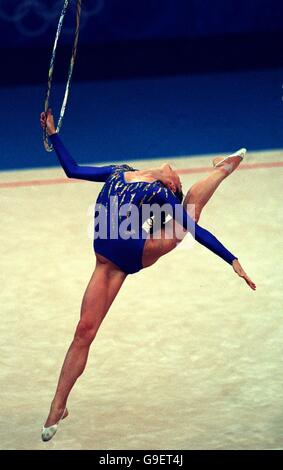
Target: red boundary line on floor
x=205 y=169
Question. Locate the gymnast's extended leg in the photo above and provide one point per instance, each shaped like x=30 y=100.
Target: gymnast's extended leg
x=195 y=200
x=201 y=192
x=102 y=289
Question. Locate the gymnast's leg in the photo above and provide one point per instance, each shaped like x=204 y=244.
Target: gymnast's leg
x=196 y=198
x=102 y=289
x=201 y=192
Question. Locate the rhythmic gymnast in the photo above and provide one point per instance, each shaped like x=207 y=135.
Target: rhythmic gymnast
x=120 y=256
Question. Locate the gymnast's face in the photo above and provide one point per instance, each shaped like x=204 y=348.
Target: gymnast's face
x=168 y=171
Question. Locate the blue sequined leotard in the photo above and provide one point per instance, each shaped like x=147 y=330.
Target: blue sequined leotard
x=126 y=248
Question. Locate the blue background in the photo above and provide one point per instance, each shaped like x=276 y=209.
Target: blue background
x=140 y=118
x=153 y=79
x=120 y=20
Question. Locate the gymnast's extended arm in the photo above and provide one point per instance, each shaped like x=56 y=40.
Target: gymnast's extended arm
x=203 y=236
x=71 y=168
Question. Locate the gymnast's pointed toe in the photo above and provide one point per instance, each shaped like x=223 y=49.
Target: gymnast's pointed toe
x=241 y=153
x=48 y=433
x=230 y=163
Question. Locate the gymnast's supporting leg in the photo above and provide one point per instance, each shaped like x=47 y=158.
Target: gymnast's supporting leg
x=102 y=289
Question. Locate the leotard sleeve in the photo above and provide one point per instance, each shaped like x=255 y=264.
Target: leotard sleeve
x=73 y=170
x=202 y=236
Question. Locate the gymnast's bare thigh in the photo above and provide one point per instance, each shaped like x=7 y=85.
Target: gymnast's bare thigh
x=165 y=240
x=106 y=263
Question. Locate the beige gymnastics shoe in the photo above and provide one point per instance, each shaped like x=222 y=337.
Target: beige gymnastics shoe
x=50 y=431
x=230 y=163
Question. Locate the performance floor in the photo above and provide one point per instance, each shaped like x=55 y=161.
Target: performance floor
x=188 y=356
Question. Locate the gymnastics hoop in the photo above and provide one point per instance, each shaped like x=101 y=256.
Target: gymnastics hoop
x=47 y=146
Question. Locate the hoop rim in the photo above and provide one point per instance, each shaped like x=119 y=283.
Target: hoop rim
x=48 y=147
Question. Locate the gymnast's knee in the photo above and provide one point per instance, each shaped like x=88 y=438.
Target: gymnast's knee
x=85 y=332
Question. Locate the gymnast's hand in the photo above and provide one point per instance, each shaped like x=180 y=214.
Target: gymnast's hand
x=47 y=122
x=239 y=270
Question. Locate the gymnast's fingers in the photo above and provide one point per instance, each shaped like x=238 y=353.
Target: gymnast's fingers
x=250 y=283
x=244 y=275
x=239 y=270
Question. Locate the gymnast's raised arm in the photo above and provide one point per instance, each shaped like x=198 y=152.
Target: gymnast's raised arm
x=71 y=168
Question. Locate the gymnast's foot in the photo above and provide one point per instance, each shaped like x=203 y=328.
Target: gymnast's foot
x=230 y=163
x=50 y=428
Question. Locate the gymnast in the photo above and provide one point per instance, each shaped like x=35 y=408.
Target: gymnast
x=118 y=256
